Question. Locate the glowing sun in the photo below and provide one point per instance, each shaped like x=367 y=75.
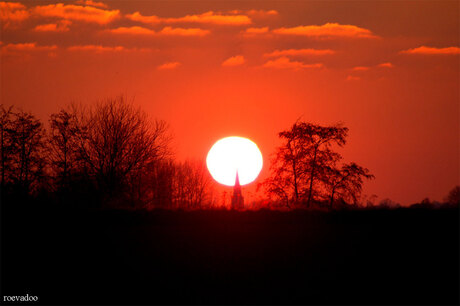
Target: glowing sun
x=232 y=154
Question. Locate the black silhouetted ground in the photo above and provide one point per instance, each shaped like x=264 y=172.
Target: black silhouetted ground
x=224 y=257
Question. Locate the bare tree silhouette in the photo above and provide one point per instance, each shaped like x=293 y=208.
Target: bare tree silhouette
x=117 y=142
x=5 y=141
x=177 y=185
x=23 y=144
x=346 y=182
x=63 y=145
x=191 y=182
x=317 y=141
x=158 y=186
x=304 y=157
x=453 y=198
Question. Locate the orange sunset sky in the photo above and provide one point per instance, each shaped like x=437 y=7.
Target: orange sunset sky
x=389 y=70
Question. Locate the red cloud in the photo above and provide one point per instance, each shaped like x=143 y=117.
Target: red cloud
x=213 y=18
x=12 y=12
x=327 y=30
x=76 y=12
x=96 y=48
x=386 y=65
x=299 y=52
x=360 y=68
x=433 y=51
x=183 y=32
x=166 y=31
x=169 y=66
x=205 y=18
x=234 y=61
x=262 y=13
x=25 y=49
x=286 y=63
x=92 y=3
x=132 y=30
x=353 y=78
x=136 y=16
x=102 y=49
x=256 y=13
x=62 y=26
x=11 y=5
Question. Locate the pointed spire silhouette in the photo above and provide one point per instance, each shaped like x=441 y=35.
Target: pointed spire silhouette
x=237 y=198
x=237 y=181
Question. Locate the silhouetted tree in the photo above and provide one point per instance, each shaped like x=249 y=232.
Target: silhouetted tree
x=369 y=200
x=388 y=204
x=191 y=181
x=453 y=198
x=26 y=160
x=118 y=141
x=317 y=141
x=346 y=182
x=5 y=142
x=306 y=153
x=170 y=184
x=288 y=171
x=63 y=145
x=280 y=185
x=158 y=184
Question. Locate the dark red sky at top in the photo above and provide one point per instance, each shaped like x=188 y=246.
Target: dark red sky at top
x=389 y=70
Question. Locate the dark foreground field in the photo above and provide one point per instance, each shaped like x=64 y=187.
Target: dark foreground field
x=224 y=257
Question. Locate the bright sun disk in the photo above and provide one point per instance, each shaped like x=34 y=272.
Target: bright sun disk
x=232 y=154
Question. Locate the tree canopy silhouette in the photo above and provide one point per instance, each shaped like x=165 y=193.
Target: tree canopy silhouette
x=305 y=165
x=453 y=198
x=117 y=141
x=5 y=141
x=22 y=145
x=346 y=182
x=63 y=146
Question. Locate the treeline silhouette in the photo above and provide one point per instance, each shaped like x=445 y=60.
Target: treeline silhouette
x=111 y=154
x=306 y=169
x=107 y=155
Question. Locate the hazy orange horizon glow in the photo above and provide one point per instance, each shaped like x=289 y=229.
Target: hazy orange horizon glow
x=389 y=70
